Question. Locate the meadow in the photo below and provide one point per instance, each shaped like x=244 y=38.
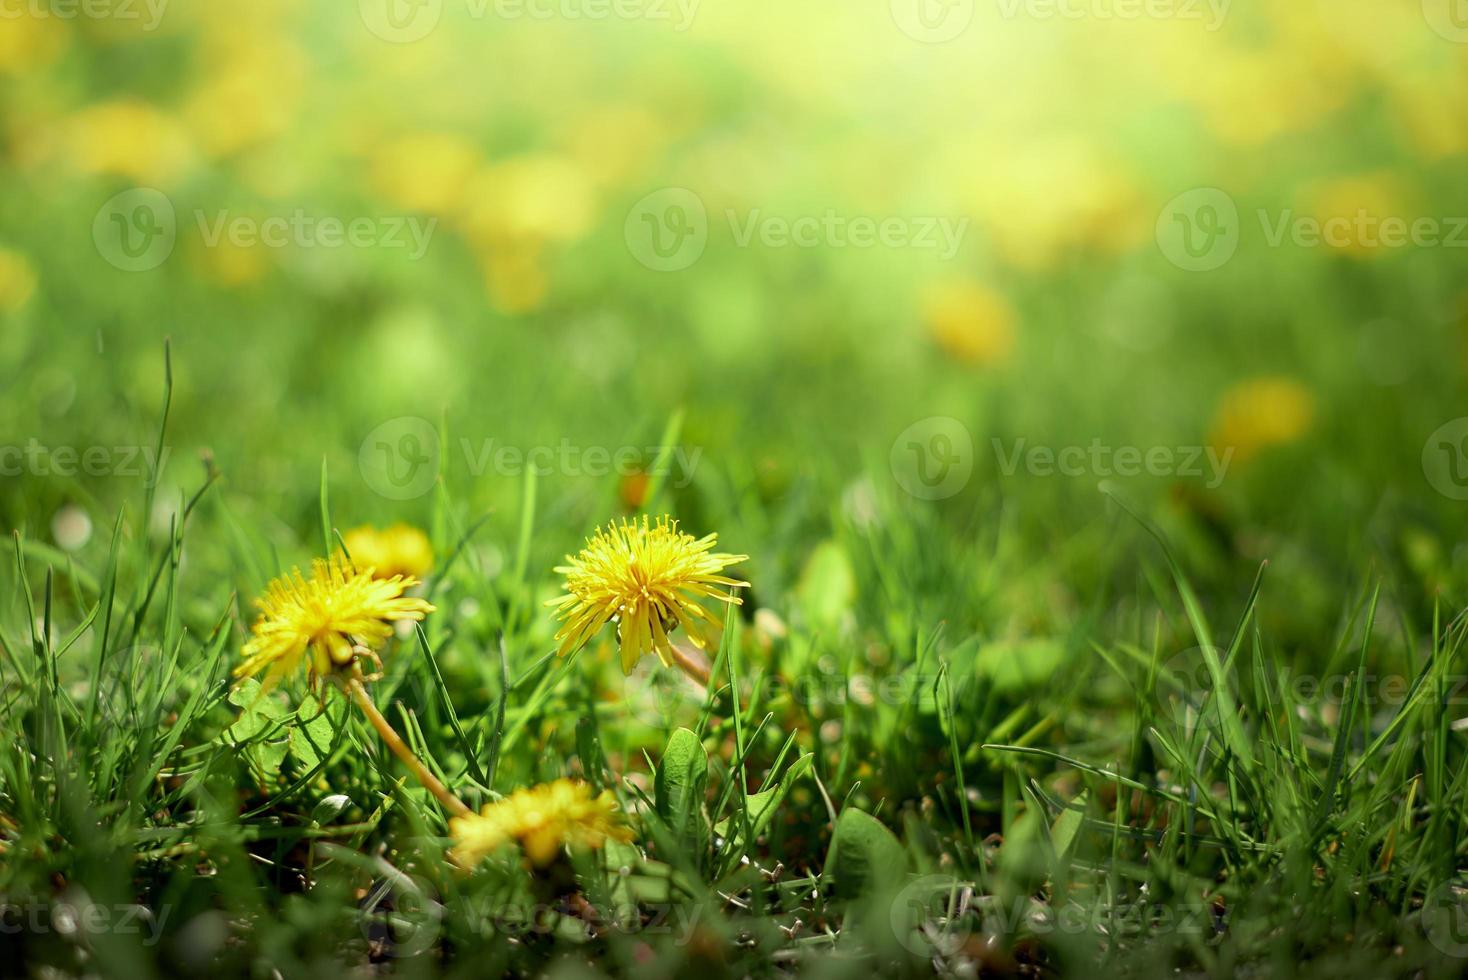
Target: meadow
x=666 y=487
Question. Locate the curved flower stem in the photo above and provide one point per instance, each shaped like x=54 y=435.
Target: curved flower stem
x=692 y=663
x=358 y=693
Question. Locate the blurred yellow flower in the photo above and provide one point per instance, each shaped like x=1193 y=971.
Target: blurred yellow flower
x=250 y=92
x=1433 y=111
x=128 y=138
x=538 y=196
x=1044 y=199
x=969 y=321
x=1262 y=412
x=29 y=43
x=17 y=280
x=1351 y=211
x=648 y=579
x=541 y=820
x=615 y=143
x=1250 y=97
x=424 y=171
x=328 y=616
x=227 y=263
x=515 y=276
x=399 y=550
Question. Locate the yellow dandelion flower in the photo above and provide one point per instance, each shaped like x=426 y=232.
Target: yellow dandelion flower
x=17 y=280
x=647 y=578
x=541 y=820
x=338 y=609
x=128 y=138
x=400 y=550
x=1262 y=412
x=424 y=171
x=970 y=322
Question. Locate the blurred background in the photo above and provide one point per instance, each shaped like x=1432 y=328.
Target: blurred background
x=855 y=259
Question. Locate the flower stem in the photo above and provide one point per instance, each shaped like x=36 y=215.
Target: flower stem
x=692 y=663
x=358 y=693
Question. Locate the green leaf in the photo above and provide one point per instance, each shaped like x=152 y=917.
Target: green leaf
x=761 y=807
x=827 y=588
x=257 y=712
x=865 y=856
x=1063 y=832
x=1015 y=666
x=312 y=734
x=679 y=788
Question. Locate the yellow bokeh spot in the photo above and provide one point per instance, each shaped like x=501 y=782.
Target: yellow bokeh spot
x=127 y=138
x=17 y=280
x=970 y=322
x=1262 y=412
x=424 y=171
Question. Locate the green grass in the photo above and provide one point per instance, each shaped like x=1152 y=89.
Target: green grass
x=877 y=778
x=1173 y=724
